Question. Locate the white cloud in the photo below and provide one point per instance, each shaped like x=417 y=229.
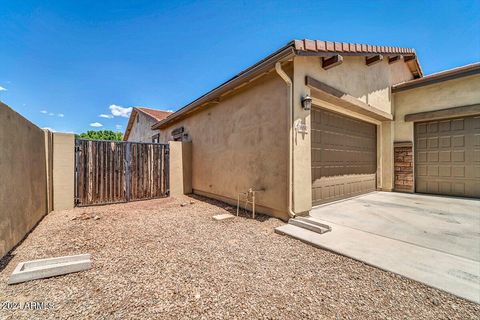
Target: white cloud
x=61 y=115
x=3 y=89
x=118 y=126
x=44 y=111
x=119 y=111
x=96 y=124
x=107 y=116
x=51 y=114
x=50 y=129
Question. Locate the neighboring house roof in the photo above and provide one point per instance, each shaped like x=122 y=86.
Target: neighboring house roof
x=153 y=114
x=455 y=73
x=302 y=48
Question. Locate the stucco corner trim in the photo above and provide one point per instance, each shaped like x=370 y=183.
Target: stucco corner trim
x=463 y=111
x=342 y=99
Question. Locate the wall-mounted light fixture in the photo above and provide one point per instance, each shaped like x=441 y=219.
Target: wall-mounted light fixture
x=307 y=102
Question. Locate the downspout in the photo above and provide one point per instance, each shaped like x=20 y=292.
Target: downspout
x=288 y=81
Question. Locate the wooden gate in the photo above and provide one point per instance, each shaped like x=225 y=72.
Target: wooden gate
x=116 y=171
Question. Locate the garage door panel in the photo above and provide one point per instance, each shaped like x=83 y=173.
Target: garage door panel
x=445 y=126
x=432 y=156
x=445 y=171
x=421 y=128
x=447 y=157
x=343 y=156
x=458 y=124
x=433 y=143
x=458 y=156
x=445 y=187
x=444 y=156
x=445 y=141
x=422 y=143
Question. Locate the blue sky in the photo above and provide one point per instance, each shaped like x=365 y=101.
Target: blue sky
x=64 y=63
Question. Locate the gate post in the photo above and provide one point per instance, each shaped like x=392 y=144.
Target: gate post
x=63 y=171
x=127 y=171
x=180 y=168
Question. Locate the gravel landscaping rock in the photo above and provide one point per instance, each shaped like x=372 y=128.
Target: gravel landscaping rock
x=159 y=260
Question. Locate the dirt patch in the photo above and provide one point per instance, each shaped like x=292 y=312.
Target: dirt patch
x=159 y=259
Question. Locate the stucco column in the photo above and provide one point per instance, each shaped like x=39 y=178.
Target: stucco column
x=302 y=163
x=180 y=168
x=63 y=170
x=387 y=133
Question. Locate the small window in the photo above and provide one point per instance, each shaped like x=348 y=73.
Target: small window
x=178 y=133
x=156 y=138
x=138 y=118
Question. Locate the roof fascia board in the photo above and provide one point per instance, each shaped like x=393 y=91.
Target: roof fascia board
x=130 y=124
x=347 y=54
x=428 y=80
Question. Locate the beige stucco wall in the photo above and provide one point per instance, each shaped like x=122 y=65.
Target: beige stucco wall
x=241 y=143
x=370 y=84
x=447 y=94
x=141 y=129
x=23 y=177
x=63 y=173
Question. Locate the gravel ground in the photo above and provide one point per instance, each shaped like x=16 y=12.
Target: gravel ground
x=157 y=259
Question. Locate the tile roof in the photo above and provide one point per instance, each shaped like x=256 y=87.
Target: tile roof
x=345 y=47
x=153 y=113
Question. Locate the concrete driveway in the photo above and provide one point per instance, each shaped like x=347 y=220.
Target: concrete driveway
x=431 y=239
x=447 y=224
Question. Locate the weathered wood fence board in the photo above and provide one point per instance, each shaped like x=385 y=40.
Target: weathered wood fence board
x=112 y=172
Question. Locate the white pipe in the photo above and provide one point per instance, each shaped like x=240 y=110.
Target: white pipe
x=288 y=81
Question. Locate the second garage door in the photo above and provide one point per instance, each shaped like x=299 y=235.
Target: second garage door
x=447 y=157
x=344 y=156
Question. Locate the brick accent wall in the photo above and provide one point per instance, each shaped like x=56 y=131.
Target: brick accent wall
x=403 y=163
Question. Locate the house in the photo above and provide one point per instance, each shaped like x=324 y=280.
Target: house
x=320 y=121
x=140 y=123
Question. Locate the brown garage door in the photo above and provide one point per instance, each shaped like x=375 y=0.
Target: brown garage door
x=344 y=156
x=447 y=157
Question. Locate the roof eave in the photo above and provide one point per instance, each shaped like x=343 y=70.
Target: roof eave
x=262 y=66
x=129 y=124
x=455 y=73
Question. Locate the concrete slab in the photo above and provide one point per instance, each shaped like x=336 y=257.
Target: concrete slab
x=447 y=224
x=451 y=273
x=45 y=268
x=224 y=216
